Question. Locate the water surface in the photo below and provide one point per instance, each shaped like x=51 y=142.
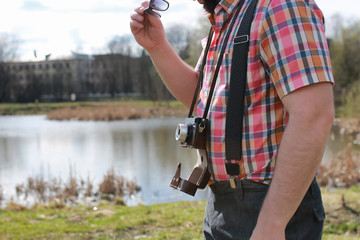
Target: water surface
x=141 y=150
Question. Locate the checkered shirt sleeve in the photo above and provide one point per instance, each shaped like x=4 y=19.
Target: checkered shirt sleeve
x=293 y=45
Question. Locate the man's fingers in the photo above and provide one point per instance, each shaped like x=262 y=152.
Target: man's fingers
x=145 y=4
x=142 y=7
x=137 y=17
x=136 y=25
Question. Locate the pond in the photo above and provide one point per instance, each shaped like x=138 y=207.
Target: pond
x=141 y=150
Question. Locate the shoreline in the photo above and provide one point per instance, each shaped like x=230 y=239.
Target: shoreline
x=114 y=113
x=97 y=111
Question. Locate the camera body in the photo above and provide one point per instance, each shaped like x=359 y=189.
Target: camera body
x=193 y=134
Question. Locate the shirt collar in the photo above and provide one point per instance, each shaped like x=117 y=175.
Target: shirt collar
x=225 y=8
x=227 y=5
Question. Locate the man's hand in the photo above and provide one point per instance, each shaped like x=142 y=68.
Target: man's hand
x=179 y=77
x=272 y=233
x=147 y=30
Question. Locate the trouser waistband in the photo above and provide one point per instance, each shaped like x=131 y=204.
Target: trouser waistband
x=244 y=185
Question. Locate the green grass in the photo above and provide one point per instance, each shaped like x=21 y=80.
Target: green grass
x=178 y=221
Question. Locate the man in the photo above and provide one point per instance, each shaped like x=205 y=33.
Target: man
x=287 y=117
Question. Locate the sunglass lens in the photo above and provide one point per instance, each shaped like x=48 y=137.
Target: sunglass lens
x=159 y=5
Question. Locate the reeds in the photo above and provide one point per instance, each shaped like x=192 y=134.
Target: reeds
x=114 y=186
x=1 y=194
x=341 y=171
x=75 y=190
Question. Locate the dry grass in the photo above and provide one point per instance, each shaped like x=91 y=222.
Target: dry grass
x=56 y=192
x=114 y=186
x=349 y=126
x=1 y=193
x=114 y=112
x=341 y=171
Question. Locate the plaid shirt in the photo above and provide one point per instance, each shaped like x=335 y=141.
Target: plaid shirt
x=288 y=50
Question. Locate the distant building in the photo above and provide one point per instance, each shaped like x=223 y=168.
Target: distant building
x=83 y=75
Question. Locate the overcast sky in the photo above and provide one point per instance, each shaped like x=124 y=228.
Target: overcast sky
x=85 y=26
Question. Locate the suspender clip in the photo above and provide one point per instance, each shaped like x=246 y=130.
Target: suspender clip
x=232 y=182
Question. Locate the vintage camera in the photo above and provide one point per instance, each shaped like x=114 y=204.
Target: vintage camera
x=193 y=134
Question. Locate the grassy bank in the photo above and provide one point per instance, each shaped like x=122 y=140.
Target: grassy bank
x=181 y=220
x=103 y=110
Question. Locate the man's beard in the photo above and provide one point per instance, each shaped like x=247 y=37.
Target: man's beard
x=209 y=5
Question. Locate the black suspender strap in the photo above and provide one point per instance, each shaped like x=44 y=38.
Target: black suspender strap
x=235 y=103
x=219 y=61
x=218 y=65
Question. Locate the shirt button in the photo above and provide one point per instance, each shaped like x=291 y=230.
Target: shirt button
x=206 y=93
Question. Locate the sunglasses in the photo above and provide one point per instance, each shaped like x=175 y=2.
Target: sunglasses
x=157 y=5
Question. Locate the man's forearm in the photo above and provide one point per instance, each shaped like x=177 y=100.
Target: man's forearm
x=178 y=76
x=299 y=156
x=296 y=165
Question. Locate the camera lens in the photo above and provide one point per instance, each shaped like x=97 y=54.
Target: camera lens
x=181 y=132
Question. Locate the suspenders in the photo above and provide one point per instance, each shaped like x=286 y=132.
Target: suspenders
x=235 y=104
x=238 y=79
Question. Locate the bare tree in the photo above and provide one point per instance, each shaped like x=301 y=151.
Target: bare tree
x=8 y=51
x=120 y=46
x=179 y=36
x=9 y=45
x=5 y=80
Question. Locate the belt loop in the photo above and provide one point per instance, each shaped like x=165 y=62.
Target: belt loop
x=241 y=189
x=312 y=187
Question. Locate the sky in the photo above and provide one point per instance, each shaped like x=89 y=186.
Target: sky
x=86 y=26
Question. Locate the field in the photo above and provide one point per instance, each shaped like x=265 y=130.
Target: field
x=180 y=220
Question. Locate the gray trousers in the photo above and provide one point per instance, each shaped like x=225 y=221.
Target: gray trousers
x=232 y=213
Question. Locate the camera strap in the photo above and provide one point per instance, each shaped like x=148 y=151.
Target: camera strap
x=235 y=104
x=238 y=79
x=218 y=65
x=201 y=74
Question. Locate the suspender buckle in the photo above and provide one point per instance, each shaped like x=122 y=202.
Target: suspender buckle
x=241 y=39
x=232 y=182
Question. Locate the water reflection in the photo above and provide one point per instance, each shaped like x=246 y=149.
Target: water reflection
x=141 y=150
x=144 y=150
